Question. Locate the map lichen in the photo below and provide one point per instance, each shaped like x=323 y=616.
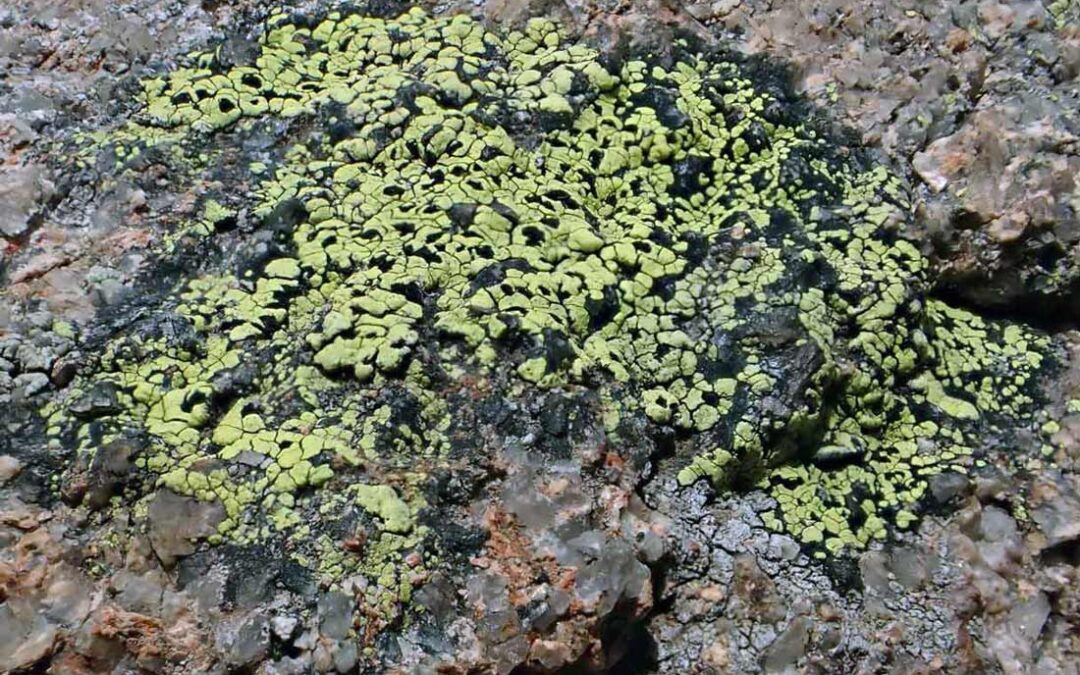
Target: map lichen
x=674 y=236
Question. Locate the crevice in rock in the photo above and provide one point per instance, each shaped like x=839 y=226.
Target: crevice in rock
x=1050 y=314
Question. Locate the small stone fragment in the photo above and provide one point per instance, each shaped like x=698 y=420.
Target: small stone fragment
x=9 y=468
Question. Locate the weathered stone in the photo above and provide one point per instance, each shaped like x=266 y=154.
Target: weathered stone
x=335 y=615
x=1057 y=510
x=176 y=522
x=244 y=642
x=788 y=647
x=284 y=626
x=9 y=468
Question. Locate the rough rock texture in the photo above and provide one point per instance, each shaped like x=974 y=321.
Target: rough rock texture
x=384 y=341
x=980 y=100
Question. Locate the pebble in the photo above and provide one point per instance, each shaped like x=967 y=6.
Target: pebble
x=284 y=626
x=29 y=384
x=9 y=468
x=789 y=647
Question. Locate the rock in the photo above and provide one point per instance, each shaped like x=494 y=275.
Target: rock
x=1008 y=229
x=21 y=189
x=139 y=594
x=911 y=567
x=108 y=285
x=933 y=165
x=489 y=595
x=64 y=369
x=345 y=656
x=509 y=654
x=284 y=626
x=650 y=547
x=1057 y=510
x=782 y=547
x=109 y=471
x=99 y=401
x=996 y=525
x=307 y=640
x=550 y=654
x=873 y=565
x=511 y=510
x=29 y=638
x=754 y=592
x=28 y=384
x=176 y=522
x=335 y=615
x=991 y=485
x=35 y=356
x=1013 y=637
x=616 y=575
x=9 y=468
x=947 y=486
x=717 y=655
x=300 y=665
x=244 y=642
x=788 y=647
x=1029 y=616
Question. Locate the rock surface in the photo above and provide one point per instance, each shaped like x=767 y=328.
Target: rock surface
x=591 y=347
x=979 y=100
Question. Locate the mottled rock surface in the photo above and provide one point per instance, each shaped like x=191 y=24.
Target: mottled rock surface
x=980 y=100
x=389 y=341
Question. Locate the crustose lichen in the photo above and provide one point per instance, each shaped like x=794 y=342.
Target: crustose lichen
x=674 y=237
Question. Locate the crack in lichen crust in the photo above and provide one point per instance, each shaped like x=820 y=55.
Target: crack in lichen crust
x=672 y=236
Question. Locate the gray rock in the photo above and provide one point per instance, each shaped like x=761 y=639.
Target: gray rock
x=284 y=626
x=1012 y=638
x=9 y=345
x=1029 y=616
x=299 y=665
x=109 y=470
x=177 y=521
x=947 y=486
x=996 y=525
x=650 y=547
x=754 y=593
x=28 y=637
x=782 y=547
x=99 y=400
x=873 y=566
x=616 y=575
x=28 y=384
x=762 y=635
x=21 y=189
x=138 y=594
x=335 y=615
x=9 y=468
x=345 y=656
x=244 y=642
x=788 y=647
x=35 y=356
x=911 y=567
x=307 y=640
x=992 y=485
x=1058 y=514
x=107 y=285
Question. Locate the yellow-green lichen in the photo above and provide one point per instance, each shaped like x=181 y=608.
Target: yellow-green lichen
x=504 y=204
